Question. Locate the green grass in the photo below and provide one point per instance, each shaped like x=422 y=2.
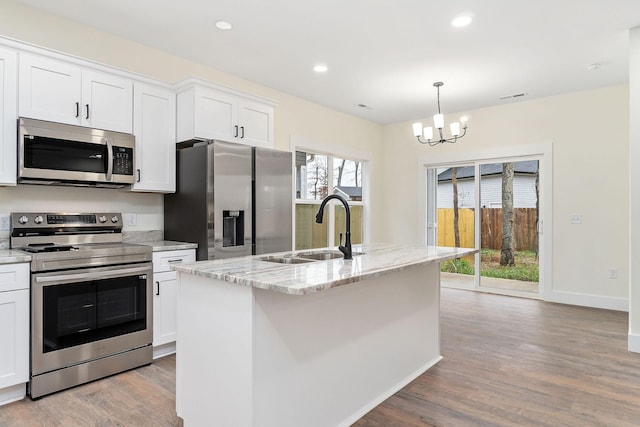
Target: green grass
x=459 y=266
x=526 y=267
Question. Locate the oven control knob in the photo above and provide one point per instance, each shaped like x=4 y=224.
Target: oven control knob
x=102 y=219
x=38 y=219
x=23 y=219
x=114 y=219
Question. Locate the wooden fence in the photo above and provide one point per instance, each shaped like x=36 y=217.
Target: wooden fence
x=491 y=231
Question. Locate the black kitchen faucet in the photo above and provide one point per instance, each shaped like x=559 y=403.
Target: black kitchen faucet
x=346 y=249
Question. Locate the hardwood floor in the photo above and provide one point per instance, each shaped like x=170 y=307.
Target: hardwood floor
x=507 y=362
x=140 y=397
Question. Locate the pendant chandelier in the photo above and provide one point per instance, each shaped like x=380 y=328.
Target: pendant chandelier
x=425 y=135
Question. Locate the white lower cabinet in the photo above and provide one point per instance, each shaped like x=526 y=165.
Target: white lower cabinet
x=165 y=298
x=14 y=331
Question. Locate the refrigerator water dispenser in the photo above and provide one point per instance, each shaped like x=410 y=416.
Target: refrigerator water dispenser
x=232 y=228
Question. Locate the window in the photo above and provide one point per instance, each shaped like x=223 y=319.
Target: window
x=317 y=176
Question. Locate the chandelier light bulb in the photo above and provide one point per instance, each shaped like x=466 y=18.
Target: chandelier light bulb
x=417 y=129
x=438 y=121
x=455 y=129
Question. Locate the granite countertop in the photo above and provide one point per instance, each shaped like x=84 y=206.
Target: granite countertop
x=10 y=256
x=298 y=279
x=168 y=245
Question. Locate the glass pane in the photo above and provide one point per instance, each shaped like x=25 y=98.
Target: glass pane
x=309 y=234
x=356 y=224
x=347 y=177
x=312 y=177
x=509 y=239
x=455 y=202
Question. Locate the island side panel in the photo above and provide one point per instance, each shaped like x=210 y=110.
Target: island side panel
x=326 y=358
x=213 y=352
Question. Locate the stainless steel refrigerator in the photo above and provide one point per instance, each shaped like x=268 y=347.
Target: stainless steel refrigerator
x=231 y=199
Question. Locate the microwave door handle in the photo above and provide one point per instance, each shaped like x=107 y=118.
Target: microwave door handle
x=109 y=158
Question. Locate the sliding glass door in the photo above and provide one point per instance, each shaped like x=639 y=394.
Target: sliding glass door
x=493 y=206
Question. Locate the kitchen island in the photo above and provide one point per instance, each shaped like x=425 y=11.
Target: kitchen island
x=289 y=340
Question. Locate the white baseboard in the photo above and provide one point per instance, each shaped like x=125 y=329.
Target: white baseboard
x=585 y=300
x=634 y=343
x=13 y=393
x=164 y=350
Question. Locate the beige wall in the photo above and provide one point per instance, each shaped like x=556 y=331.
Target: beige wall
x=293 y=116
x=589 y=136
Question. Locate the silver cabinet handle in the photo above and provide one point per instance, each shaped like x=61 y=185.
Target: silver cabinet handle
x=175 y=260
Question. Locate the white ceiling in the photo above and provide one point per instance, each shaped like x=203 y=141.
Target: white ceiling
x=385 y=54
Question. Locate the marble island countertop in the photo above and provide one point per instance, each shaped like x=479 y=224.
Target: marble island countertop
x=298 y=279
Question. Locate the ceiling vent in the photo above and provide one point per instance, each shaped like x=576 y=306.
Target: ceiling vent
x=517 y=95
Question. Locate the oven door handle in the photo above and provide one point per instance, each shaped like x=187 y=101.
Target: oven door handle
x=84 y=276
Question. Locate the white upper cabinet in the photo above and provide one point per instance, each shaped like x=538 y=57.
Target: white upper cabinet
x=67 y=93
x=8 y=116
x=154 y=126
x=212 y=113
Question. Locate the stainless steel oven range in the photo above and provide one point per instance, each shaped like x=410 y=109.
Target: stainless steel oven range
x=91 y=298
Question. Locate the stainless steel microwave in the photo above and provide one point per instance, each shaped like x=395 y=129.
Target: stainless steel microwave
x=61 y=154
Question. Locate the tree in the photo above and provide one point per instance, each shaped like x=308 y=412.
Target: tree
x=456 y=227
x=507 y=254
x=340 y=171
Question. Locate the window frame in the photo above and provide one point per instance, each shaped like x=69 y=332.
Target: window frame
x=341 y=152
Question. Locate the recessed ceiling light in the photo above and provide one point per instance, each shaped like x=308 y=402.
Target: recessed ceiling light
x=320 y=68
x=224 y=25
x=461 y=21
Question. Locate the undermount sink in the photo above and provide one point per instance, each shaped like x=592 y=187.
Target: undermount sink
x=286 y=260
x=325 y=255
x=303 y=258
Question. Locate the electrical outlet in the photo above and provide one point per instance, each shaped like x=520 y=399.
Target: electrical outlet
x=132 y=219
x=4 y=222
x=613 y=273
x=575 y=219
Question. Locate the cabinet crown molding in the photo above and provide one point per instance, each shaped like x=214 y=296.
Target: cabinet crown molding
x=191 y=82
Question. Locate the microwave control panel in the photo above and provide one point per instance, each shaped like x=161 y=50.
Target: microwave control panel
x=122 y=161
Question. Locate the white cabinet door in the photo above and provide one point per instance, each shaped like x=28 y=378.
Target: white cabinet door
x=14 y=321
x=66 y=93
x=154 y=127
x=49 y=90
x=207 y=113
x=107 y=101
x=215 y=115
x=256 y=123
x=8 y=116
x=165 y=290
x=165 y=307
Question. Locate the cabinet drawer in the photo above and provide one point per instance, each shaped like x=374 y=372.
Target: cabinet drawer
x=162 y=260
x=14 y=277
